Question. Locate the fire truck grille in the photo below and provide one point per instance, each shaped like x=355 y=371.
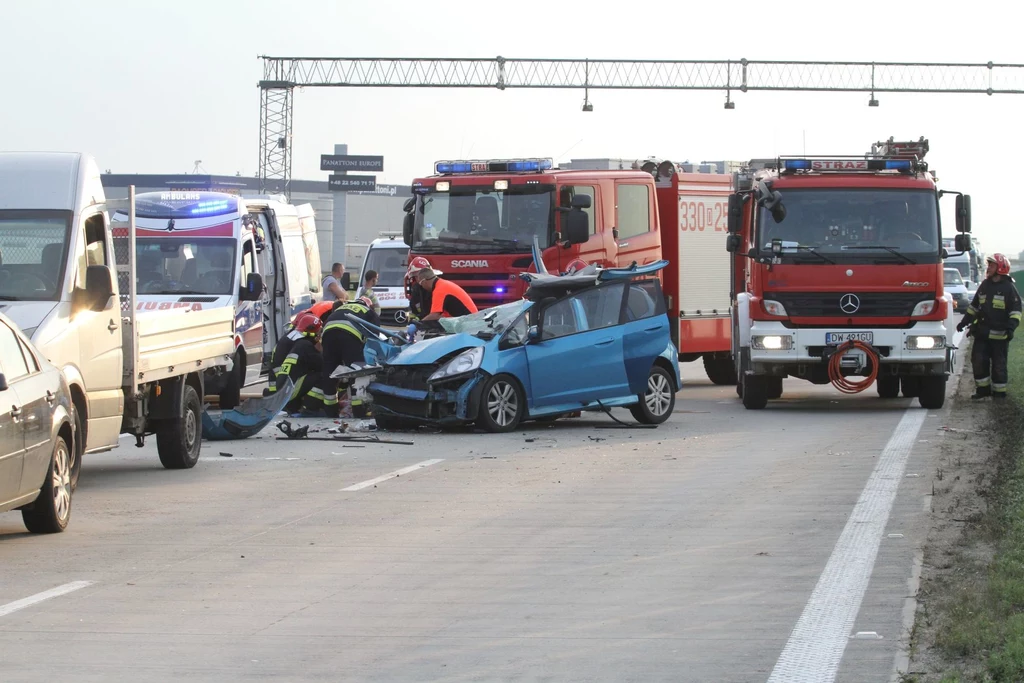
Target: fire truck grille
x=851 y=304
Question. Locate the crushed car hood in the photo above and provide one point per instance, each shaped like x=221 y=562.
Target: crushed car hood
x=430 y=351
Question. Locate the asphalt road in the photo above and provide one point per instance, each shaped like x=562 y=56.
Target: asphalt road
x=726 y=545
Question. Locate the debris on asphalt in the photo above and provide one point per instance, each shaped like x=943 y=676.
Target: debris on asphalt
x=596 y=438
x=227 y=455
x=292 y=433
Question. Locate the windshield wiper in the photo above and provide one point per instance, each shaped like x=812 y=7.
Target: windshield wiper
x=812 y=250
x=891 y=250
x=167 y=291
x=6 y=297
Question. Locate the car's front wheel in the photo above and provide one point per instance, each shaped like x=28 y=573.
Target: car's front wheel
x=51 y=511
x=502 y=405
x=658 y=400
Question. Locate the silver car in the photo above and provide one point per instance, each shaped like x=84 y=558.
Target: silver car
x=36 y=435
x=953 y=283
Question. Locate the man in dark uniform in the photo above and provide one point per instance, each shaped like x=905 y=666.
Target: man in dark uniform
x=343 y=345
x=303 y=362
x=305 y=324
x=994 y=315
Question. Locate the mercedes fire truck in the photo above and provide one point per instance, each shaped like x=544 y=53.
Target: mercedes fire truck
x=837 y=274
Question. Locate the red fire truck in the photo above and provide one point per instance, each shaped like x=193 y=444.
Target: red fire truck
x=476 y=220
x=837 y=267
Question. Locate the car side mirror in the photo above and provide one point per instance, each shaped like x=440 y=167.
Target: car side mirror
x=99 y=287
x=253 y=289
x=962 y=242
x=963 y=214
x=577 y=226
x=407 y=227
x=735 y=220
x=533 y=334
x=3 y=382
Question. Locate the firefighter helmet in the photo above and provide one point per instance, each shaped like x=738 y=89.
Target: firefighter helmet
x=1002 y=264
x=309 y=325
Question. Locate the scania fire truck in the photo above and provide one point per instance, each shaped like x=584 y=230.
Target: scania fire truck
x=476 y=222
x=837 y=273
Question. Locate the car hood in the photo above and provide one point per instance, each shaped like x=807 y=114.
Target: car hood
x=430 y=351
x=27 y=314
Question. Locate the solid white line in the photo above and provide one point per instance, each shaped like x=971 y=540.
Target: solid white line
x=816 y=645
x=12 y=607
x=391 y=475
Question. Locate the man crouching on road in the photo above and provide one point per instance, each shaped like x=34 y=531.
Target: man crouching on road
x=993 y=315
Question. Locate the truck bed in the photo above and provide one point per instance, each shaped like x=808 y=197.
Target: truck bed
x=172 y=342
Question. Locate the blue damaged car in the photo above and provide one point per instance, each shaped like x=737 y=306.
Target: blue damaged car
x=593 y=340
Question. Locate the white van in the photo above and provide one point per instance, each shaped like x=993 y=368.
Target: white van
x=197 y=249
x=389 y=256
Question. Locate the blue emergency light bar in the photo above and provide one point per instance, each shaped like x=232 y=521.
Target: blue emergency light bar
x=851 y=165
x=493 y=166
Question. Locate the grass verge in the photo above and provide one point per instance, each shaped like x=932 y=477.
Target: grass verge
x=980 y=620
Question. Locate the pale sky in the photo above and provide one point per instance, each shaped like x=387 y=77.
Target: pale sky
x=150 y=87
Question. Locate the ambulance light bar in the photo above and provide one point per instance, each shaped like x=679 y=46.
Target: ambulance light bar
x=493 y=166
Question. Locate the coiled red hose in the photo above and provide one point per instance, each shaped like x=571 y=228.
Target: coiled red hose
x=835 y=369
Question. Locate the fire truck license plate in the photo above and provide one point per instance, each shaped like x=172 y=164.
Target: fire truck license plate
x=837 y=338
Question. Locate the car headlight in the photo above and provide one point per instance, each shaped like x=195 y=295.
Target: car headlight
x=771 y=342
x=923 y=308
x=467 y=361
x=925 y=343
x=774 y=308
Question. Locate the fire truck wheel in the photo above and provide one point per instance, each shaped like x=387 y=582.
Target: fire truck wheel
x=774 y=387
x=720 y=371
x=932 y=392
x=911 y=386
x=755 y=392
x=888 y=387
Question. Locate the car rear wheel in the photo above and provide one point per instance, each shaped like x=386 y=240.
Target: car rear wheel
x=658 y=401
x=502 y=405
x=51 y=511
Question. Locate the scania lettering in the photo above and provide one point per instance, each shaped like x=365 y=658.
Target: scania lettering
x=495 y=208
x=209 y=250
x=838 y=275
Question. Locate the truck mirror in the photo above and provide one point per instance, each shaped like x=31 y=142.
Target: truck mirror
x=346 y=280
x=577 y=227
x=963 y=214
x=407 y=225
x=3 y=382
x=409 y=205
x=581 y=201
x=962 y=243
x=733 y=243
x=735 y=219
x=99 y=287
x=253 y=289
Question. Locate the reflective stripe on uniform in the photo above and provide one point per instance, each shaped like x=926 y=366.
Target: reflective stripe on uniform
x=318 y=394
x=347 y=326
x=998 y=302
x=982 y=298
x=983 y=382
x=997 y=335
x=971 y=310
x=998 y=388
x=298 y=387
x=1015 y=315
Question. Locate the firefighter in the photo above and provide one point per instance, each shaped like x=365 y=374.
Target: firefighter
x=302 y=362
x=993 y=315
x=419 y=298
x=343 y=343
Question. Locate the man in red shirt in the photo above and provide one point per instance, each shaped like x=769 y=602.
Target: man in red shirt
x=448 y=300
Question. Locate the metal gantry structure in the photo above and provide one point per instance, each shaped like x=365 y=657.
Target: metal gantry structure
x=281 y=75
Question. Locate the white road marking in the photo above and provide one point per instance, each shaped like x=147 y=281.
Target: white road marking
x=12 y=607
x=816 y=645
x=391 y=475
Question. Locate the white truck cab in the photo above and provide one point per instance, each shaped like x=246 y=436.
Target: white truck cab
x=127 y=371
x=389 y=258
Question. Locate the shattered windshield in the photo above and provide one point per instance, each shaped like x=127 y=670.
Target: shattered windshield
x=475 y=220
x=485 y=324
